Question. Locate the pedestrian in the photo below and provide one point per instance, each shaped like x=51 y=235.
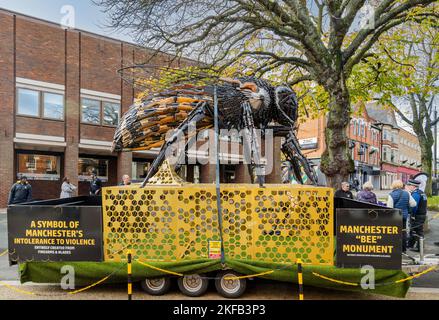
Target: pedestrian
x=126 y=181
x=401 y=199
x=366 y=195
x=344 y=192
x=418 y=214
x=356 y=185
x=21 y=192
x=95 y=184
x=67 y=189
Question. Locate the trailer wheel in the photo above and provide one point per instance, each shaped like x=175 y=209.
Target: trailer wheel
x=230 y=288
x=156 y=286
x=194 y=285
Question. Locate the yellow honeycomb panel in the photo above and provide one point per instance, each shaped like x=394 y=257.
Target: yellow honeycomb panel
x=277 y=223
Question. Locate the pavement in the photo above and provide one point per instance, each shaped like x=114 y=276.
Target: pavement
x=257 y=289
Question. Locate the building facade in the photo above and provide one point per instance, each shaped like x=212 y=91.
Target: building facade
x=409 y=155
x=382 y=151
x=61 y=99
x=365 y=146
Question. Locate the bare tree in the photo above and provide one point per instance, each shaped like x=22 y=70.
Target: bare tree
x=318 y=40
x=402 y=72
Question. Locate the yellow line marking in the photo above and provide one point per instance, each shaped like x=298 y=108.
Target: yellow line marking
x=16 y=289
x=250 y=276
x=3 y=253
x=159 y=269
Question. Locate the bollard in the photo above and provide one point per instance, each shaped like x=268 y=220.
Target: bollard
x=129 y=271
x=421 y=250
x=300 y=278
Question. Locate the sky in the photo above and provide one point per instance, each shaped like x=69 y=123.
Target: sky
x=87 y=16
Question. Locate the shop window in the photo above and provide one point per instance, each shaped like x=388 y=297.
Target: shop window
x=28 y=102
x=87 y=165
x=53 y=106
x=111 y=114
x=139 y=170
x=91 y=111
x=38 y=167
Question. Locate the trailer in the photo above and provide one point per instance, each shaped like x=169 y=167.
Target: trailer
x=174 y=231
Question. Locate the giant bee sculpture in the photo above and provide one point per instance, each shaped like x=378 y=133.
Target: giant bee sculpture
x=244 y=103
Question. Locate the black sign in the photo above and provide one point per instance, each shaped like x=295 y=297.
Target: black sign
x=369 y=237
x=50 y=233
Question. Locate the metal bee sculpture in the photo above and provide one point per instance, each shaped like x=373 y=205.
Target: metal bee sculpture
x=245 y=103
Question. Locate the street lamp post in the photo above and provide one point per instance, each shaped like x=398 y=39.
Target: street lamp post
x=435 y=143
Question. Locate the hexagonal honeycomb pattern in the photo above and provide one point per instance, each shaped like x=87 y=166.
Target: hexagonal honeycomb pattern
x=159 y=223
x=166 y=176
x=278 y=223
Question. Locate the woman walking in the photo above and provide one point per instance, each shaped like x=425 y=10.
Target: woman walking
x=67 y=189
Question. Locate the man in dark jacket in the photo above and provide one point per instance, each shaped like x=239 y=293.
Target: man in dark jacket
x=95 y=184
x=21 y=192
x=418 y=214
x=344 y=191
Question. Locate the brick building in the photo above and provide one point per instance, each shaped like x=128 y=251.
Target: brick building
x=365 y=145
x=409 y=155
x=61 y=99
x=381 y=150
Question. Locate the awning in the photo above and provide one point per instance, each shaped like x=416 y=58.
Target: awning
x=409 y=171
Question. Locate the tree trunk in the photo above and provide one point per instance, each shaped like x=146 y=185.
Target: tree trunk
x=336 y=161
x=427 y=161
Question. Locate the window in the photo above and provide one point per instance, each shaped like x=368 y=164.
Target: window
x=100 y=112
x=38 y=167
x=386 y=154
x=87 y=165
x=139 y=170
x=53 y=106
x=111 y=114
x=28 y=102
x=91 y=111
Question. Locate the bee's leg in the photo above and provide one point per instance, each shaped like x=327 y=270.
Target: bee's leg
x=291 y=149
x=183 y=159
x=250 y=139
x=195 y=116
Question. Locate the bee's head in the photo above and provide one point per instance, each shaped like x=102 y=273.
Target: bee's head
x=286 y=104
